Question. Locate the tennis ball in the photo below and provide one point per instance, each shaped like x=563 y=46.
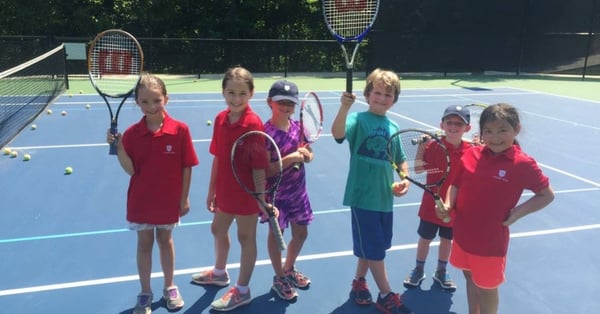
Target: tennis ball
x=81 y=91
x=26 y=157
x=33 y=126
x=14 y=154
x=63 y=113
x=48 y=111
x=208 y=122
x=7 y=151
x=70 y=95
x=87 y=106
x=68 y=170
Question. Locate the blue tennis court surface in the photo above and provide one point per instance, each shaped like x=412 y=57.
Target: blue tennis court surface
x=65 y=248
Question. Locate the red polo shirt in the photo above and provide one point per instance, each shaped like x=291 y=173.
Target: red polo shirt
x=230 y=197
x=489 y=187
x=433 y=155
x=155 y=188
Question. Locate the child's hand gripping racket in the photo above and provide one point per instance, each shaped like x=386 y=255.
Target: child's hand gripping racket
x=350 y=21
x=115 y=63
x=428 y=175
x=257 y=167
x=311 y=121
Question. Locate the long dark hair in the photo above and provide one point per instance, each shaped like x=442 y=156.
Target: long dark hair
x=500 y=111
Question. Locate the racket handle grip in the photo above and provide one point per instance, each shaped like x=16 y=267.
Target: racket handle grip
x=112 y=149
x=277 y=232
x=349 y=80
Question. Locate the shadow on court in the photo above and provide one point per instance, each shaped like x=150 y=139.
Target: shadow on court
x=432 y=301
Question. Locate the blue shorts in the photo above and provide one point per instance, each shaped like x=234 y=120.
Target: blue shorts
x=427 y=230
x=371 y=233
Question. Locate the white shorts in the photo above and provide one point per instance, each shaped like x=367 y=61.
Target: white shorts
x=141 y=227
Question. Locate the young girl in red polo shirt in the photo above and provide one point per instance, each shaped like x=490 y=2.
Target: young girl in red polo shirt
x=158 y=153
x=226 y=199
x=483 y=195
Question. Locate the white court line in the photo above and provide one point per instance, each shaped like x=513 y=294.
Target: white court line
x=111 y=280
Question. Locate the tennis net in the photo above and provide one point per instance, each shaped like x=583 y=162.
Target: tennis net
x=27 y=89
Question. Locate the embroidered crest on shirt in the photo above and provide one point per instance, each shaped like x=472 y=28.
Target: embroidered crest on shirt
x=169 y=149
x=501 y=175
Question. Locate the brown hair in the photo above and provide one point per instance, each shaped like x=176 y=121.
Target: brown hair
x=150 y=81
x=238 y=73
x=388 y=78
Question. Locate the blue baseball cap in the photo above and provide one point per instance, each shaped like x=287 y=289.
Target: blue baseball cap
x=284 y=90
x=459 y=111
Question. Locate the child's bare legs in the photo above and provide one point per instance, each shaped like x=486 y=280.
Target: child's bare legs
x=246 y=226
x=167 y=255
x=423 y=249
x=145 y=242
x=380 y=275
x=299 y=235
x=220 y=230
x=481 y=301
x=444 y=249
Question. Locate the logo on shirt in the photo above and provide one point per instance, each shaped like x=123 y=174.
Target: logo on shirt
x=501 y=175
x=169 y=149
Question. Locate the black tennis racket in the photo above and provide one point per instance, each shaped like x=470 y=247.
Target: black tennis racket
x=311 y=121
x=257 y=167
x=474 y=135
x=115 y=63
x=350 y=21
x=428 y=175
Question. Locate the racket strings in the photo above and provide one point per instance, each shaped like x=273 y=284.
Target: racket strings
x=256 y=163
x=115 y=62
x=350 y=18
x=413 y=144
x=312 y=120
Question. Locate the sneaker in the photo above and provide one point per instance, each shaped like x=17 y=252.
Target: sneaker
x=297 y=278
x=173 y=298
x=415 y=278
x=360 y=292
x=143 y=304
x=443 y=278
x=392 y=304
x=284 y=288
x=208 y=277
x=231 y=300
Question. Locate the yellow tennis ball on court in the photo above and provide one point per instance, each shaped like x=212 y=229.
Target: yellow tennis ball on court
x=49 y=111
x=7 y=151
x=63 y=113
x=87 y=106
x=33 y=126
x=68 y=170
x=14 y=154
x=81 y=91
x=26 y=157
x=208 y=122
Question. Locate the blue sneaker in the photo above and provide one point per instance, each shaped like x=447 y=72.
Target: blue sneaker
x=415 y=278
x=443 y=278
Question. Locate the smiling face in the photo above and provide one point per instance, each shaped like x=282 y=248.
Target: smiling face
x=381 y=98
x=237 y=95
x=152 y=101
x=499 y=135
x=454 y=127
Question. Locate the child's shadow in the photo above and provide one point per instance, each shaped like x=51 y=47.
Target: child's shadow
x=265 y=303
x=155 y=305
x=205 y=300
x=433 y=301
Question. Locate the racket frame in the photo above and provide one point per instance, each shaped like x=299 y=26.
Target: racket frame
x=303 y=138
x=274 y=224
x=114 y=116
x=327 y=6
x=424 y=186
x=469 y=136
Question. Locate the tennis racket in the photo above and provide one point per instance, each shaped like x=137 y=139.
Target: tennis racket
x=115 y=63
x=428 y=175
x=311 y=121
x=252 y=157
x=350 y=21
x=474 y=135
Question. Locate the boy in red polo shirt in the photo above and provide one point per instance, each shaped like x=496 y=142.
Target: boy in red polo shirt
x=158 y=153
x=484 y=196
x=455 y=122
